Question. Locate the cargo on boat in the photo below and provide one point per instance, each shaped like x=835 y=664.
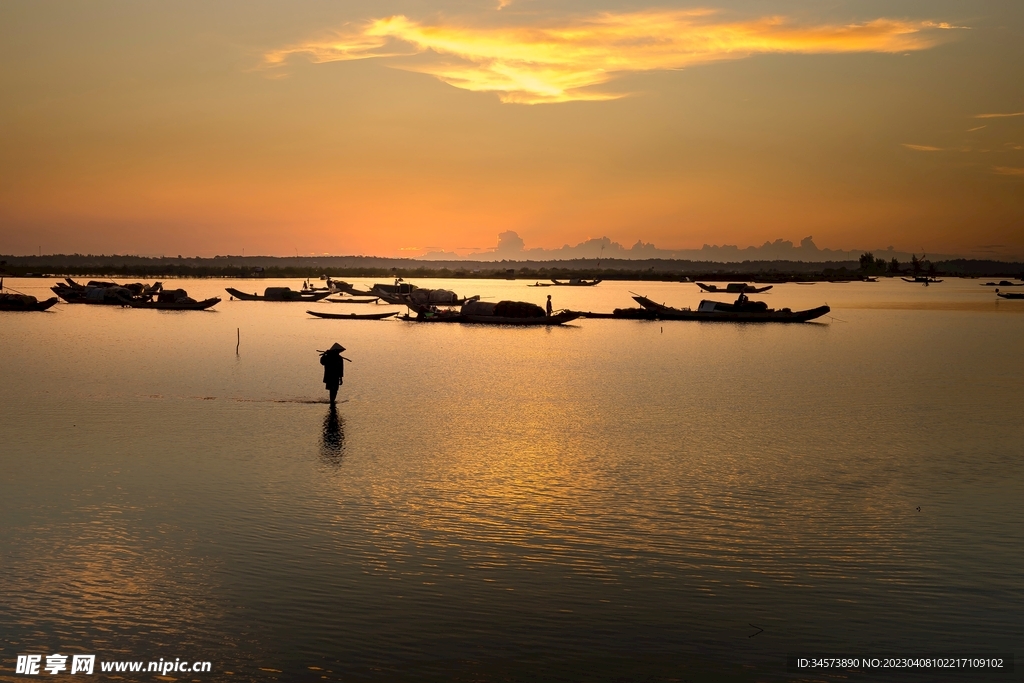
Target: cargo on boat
x=10 y=301
x=278 y=294
x=102 y=293
x=740 y=311
x=734 y=288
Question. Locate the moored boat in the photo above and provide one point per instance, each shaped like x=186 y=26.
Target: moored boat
x=576 y=282
x=10 y=301
x=278 y=294
x=1010 y=295
x=352 y=316
x=734 y=288
x=352 y=301
x=187 y=304
x=740 y=311
x=921 y=279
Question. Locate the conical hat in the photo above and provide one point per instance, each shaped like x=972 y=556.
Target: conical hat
x=337 y=347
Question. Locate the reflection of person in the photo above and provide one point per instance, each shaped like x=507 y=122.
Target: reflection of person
x=549 y=306
x=332 y=443
x=334 y=369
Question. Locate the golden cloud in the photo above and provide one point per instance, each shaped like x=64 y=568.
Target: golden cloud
x=999 y=116
x=1008 y=170
x=922 y=148
x=560 y=62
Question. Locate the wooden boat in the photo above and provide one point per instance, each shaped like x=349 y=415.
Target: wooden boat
x=622 y=314
x=541 y=284
x=575 y=282
x=102 y=293
x=342 y=286
x=352 y=301
x=921 y=280
x=741 y=311
x=456 y=317
x=24 y=302
x=1010 y=295
x=557 y=319
x=177 y=305
x=734 y=288
x=352 y=316
x=1003 y=283
x=278 y=294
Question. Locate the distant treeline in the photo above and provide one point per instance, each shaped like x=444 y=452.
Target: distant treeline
x=375 y=267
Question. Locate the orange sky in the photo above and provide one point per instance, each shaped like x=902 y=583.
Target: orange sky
x=392 y=128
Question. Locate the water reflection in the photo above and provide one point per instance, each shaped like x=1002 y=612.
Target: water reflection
x=332 y=442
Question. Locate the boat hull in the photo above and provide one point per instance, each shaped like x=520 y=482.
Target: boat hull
x=38 y=306
x=174 y=306
x=352 y=316
x=242 y=296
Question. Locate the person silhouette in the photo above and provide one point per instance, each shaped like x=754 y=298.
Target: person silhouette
x=334 y=369
x=548 y=309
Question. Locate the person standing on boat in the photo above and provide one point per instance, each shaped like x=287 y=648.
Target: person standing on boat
x=334 y=369
x=548 y=309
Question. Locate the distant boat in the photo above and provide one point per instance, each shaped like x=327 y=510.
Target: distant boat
x=507 y=313
x=575 y=282
x=741 y=311
x=278 y=294
x=1010 y=295
x=921 y=279
x=352 y=316
x=1003 y=283
x=102 y=293
x=734 y=288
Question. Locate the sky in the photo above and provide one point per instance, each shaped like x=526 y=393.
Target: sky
x=401 y=128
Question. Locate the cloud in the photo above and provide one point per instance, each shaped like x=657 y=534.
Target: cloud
x=921 y=148
x=998 y=116
x=971 y=130
x=1008 y=170
x=561 y=61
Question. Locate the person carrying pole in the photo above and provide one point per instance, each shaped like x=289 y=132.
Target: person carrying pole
x=334 y=369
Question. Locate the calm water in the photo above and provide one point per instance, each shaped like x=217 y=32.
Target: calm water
x=611 y=500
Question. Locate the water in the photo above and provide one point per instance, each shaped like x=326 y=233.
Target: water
x=611 y=500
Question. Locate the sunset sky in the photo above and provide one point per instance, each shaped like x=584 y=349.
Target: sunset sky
x=398 y=127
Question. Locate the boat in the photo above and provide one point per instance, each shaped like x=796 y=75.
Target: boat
x=556 y=319
x=1010 y=295
x=421 y=296
x=740 y=311
x=180 y=305
x=346 y=288
x=102 y=293
x=1003 y=283
x=921 y=279
x=352 y=316
x=734 y=288
x=575 y=282
x=10 y=301
x=352 y=301
x=508 y=313
x=541 y=284
x=621 y=314
x=278 y=294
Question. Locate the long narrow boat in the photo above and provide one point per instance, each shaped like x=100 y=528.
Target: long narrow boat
x=742 y=311
x=352 y=316
x=177 y=305
x=353 y=301
x=1010 y=295
x=1003 y=283
x=278 y=294
x=921 y=280
x=576 y=282
x=456 y=317
x=24 y=302
x=734 y=288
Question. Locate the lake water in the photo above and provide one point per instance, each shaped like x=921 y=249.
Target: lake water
x=606 y=501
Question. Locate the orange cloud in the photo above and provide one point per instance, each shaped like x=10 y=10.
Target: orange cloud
x=1008 y=170
x=922 y=148
x=560 y=62
x=998 y=116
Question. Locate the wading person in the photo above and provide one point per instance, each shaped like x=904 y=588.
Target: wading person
x=334 y=369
